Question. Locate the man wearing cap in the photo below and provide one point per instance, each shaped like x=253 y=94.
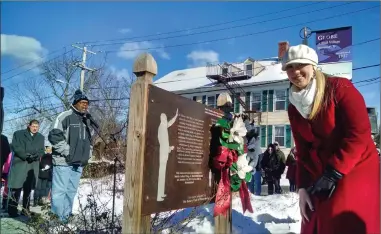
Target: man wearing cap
x=71 y=143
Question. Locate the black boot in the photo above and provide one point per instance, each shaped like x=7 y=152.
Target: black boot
x=13 y=202
x=4 y=203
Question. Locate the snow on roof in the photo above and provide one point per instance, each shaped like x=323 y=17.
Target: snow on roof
x=194 y=78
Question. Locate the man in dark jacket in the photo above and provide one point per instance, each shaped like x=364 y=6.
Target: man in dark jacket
x=71 y=141
x=28 y=147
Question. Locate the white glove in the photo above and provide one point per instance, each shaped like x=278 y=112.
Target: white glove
x=304 y=201
x=47 y=167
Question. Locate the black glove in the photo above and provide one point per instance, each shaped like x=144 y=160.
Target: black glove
x=31 y=158
x=326 y=184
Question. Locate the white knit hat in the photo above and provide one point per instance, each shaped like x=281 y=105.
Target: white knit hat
x=299 y=54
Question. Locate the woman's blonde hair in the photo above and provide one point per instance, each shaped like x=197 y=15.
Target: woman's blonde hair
x=319 y=100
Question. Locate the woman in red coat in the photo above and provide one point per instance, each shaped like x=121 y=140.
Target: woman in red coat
x=338 y=169
x=291 y=169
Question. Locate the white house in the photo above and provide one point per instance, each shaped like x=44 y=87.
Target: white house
x=263 y=87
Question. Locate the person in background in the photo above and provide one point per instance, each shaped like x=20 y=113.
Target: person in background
x=44 y=182
x=280 y=155
x=1 y=111
x=338 y=169
x=271 y=164
x=28 y=148
x=71 y=141
x=291 y=169
x=5 y=149
x=258 y=176
x=4 y=180
x=254 y=149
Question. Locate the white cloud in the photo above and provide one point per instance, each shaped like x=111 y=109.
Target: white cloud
x=120 y=73
x=23 y=49
x=202 y=57
x=131 y=50
x=124 y=30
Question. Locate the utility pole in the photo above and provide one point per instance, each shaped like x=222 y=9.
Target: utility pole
x=83 y=65
x=305 y=33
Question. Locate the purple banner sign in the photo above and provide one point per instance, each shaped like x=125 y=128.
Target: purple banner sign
x=334 y=45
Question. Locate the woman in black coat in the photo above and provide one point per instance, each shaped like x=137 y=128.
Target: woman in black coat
x=271 y=164
x=45 y=174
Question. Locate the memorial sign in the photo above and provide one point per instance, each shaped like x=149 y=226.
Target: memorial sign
x=176 y=172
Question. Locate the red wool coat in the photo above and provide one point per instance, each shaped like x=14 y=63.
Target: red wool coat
x=291 y=169
x=340 y=137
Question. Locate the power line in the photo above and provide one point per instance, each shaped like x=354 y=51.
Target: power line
x=233 y=37
x=375 y=65
x=226 y=28
x=37 y=65
x=32 y=61
x=177 y=31
x=204 y=26
x=242 y=35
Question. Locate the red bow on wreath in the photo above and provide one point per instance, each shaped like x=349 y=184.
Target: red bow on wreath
x=222 y=161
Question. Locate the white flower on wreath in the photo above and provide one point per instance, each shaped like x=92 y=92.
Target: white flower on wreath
x=243 y=166
x=238 y=131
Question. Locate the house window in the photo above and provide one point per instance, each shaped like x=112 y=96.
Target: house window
x=211 y=101
x=256 y=101
x=225 y=71
x=280 y=135
x=280 y=99
x=249 y=69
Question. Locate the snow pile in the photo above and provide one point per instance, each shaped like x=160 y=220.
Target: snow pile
x=272 y=214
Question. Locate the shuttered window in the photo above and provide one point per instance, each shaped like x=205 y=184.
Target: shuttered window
x=288 y=136
x=263 y=137
x=264 y=101
x=269 y=134
x=270 y=101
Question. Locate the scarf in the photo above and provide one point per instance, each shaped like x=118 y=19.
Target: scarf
x=304 y=98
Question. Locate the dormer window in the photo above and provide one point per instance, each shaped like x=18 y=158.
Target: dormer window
x=225 y=71
x=249 y=69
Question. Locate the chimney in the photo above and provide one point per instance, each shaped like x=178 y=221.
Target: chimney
x=282 y=48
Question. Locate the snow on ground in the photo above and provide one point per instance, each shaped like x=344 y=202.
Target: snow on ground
x=272 y=214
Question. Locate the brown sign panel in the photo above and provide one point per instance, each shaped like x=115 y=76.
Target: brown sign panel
x=176 y=172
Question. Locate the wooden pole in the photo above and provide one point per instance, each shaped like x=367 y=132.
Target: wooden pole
x=145 y=68
x=222 y=224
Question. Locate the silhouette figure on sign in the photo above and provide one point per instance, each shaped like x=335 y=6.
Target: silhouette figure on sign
x=165 y=149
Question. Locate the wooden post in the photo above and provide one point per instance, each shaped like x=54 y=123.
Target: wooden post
x=145 y=68
x=222 y=224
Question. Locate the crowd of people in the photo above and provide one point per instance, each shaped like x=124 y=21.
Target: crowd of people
x=268 y=166
x=51 y=167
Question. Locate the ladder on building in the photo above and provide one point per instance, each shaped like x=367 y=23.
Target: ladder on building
x=235 y=89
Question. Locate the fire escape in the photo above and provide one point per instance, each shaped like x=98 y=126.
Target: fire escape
x=228 y=75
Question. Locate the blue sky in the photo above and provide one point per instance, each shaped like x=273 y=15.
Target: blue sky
x=53 y=25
